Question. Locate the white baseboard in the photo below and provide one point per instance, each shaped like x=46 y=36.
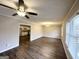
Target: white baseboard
x=32 y=39
x=8 y=48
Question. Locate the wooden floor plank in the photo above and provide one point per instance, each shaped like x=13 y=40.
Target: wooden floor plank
x=42 y=48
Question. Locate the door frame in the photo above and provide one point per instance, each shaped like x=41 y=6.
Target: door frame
x=20 y=31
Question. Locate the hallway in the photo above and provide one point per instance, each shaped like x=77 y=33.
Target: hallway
x=42 y=48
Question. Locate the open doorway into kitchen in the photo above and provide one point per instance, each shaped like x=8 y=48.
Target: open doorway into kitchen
x=24 y=34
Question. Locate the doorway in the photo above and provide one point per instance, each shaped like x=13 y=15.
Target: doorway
x=24 y=34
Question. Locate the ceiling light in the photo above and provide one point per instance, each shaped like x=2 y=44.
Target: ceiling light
x=21 y=8
x=46 y=23
x=50 y=23
x=21 y=13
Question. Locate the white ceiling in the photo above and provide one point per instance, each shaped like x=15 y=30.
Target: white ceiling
x=48 y=10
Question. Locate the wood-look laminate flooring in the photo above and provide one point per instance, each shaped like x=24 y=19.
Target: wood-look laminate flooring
x=42 y=48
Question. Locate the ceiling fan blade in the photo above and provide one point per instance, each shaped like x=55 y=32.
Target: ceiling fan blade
x=14 y=14
x=7 y=6
x=21 y=3
x=32 y=13
x=27 y=16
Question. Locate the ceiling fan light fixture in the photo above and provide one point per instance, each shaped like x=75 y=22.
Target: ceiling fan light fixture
x=21 y=8
x=21 y=13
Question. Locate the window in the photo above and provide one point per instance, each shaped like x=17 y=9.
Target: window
x=72 y=37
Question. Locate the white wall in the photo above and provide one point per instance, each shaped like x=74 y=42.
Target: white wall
x=9 y=32
x=36 y=31
x=53 y=31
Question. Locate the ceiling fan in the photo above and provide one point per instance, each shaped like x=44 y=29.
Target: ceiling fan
x=21 y=9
